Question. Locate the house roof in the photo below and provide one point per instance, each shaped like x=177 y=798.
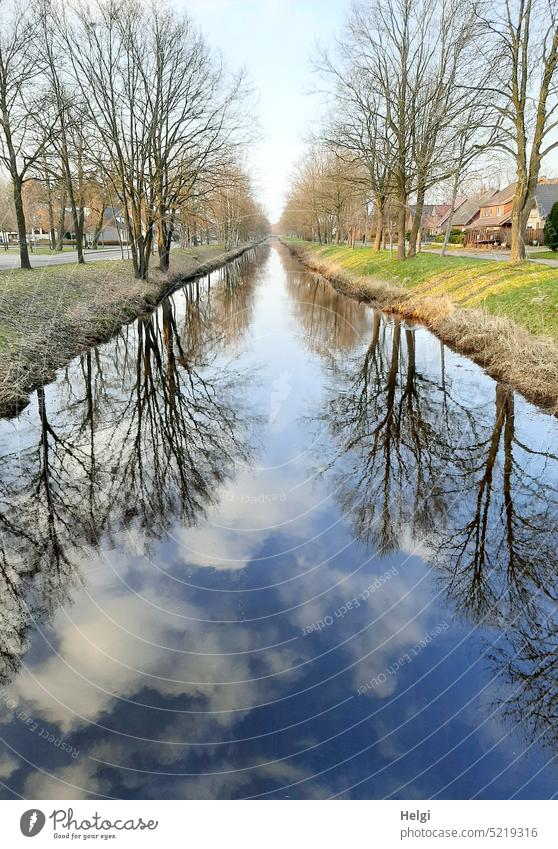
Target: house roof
x=459 y=201
x=469 y=208
x=112 y=214
x=503 y=196
x=546 y=195
x=439 y=210
x=432 y=211
x=491 y=221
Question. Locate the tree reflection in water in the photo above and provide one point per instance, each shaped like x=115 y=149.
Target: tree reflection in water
x=424 y=452
x=417 y=465
x=331 y=322
x=386 y=418
x=140 y=438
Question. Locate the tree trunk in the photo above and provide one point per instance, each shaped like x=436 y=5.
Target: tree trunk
x=517 y=253
x=76 y=217
x=164 y=239
x=21 y=226
x=51 y=230
x=380 y=210
x=401 y=221
x=522 y=203
x=62 y=223
x=17 y=183
x=417 y=222
x=450 y=214
x=98 y=228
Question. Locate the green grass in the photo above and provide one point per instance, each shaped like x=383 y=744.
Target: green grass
x=544 y=255
x=527 y=293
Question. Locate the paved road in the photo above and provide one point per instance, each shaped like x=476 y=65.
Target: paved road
x=10 y=259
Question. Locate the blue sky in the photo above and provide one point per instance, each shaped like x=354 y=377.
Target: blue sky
x=275 y=40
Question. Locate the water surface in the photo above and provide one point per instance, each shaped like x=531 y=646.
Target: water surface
x=270 y=543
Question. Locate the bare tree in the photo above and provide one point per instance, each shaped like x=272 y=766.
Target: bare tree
x=524 y=36
x=387 y=38
x=356 y=129
x=22 y=133
x=69 y=141
x=408 y=101
x=440 y=104
x=199 y=118
x=162 y=109
x=306 y=211
x=473 y=134
x=113 y=66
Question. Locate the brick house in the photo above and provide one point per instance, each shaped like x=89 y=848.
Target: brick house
x=467 y=210
x=492 y=226
x=432 y=215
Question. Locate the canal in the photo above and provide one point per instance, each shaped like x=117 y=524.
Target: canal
x=269 y=542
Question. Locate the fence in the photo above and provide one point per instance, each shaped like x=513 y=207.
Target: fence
x=501 y=237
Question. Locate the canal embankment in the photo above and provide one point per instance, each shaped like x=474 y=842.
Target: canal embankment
x=49 y=315
x=503 y=317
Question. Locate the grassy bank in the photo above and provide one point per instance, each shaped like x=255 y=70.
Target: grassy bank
x=505 y=317
x=51 y=314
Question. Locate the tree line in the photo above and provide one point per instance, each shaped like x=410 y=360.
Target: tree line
x=419 y=92
x=110 y=104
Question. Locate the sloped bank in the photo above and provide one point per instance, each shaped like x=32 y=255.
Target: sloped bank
x=51 y=314
x=506 y=351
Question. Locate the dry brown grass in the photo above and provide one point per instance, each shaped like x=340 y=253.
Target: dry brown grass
x=51 y=314
x=505 y=350
x=364 y=288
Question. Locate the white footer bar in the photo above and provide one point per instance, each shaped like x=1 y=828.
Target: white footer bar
x=280 y=824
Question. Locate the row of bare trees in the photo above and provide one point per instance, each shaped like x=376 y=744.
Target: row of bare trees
x=418 y=92
x=127 y=96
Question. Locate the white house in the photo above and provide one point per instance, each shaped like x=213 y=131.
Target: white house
x=546 y=195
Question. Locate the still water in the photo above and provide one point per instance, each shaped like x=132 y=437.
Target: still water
x=270 y=543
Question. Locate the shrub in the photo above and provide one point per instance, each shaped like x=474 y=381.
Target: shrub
x=551 y=229
x=456 y=237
